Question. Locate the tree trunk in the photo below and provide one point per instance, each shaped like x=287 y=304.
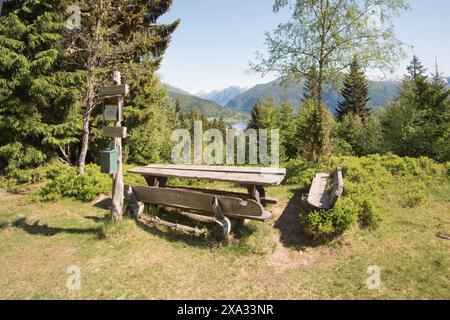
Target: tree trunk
x=89 y=105
x=118 y=186
x=84 y=144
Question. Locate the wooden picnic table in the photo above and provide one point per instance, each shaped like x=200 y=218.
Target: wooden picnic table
x=254 y=179
x=222 y=204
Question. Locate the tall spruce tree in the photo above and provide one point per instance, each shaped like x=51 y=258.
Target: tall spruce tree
x=255 y=120
x=312 y=89
x=38 y=103
x=314 y=124
x=287 y=130
x=120 y=34
x=355 y=93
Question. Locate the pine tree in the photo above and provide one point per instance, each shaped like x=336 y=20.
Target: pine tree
x=416 y=123
x=355 y=93
x=314 y=124
x=287 y=128
x=312 y=90
x=415 y=69
x=38 y=103
x=256 y=115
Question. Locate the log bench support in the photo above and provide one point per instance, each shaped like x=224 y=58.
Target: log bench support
x=155 y=181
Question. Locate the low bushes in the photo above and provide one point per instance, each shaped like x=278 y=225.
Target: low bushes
x=70 y=185
x=367 y=180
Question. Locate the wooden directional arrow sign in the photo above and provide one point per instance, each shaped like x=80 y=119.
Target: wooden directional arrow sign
x=118 y=90
x=115 y=132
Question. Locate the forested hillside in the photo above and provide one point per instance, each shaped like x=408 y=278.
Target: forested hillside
x=381 y=92
x=207 y=108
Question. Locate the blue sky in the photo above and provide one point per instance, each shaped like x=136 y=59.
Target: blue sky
x=217 y=38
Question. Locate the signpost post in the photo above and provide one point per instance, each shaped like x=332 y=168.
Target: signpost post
x=113 y=111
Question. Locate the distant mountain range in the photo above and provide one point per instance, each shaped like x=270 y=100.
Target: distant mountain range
x=238 y=101
x=221 y=97
x=380 y=92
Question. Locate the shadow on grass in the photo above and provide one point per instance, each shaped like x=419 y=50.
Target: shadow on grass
x=45 y=230
x=291 y=233
x=177 y=236
x=104 y=204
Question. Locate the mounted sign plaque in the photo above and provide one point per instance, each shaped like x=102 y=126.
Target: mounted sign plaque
x=111 y=112
x=118 y=90
x=115 y=132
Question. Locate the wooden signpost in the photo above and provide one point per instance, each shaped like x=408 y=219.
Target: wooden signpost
x=113 y=111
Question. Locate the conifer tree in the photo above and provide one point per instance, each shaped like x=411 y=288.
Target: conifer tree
x=256 y=115
x=38 y=103
x=312 y=89
x=355 y=93
x=416 y=123
x=314 y=124
x=287 y=130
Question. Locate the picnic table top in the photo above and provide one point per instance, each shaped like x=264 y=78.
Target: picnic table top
x=241 y=175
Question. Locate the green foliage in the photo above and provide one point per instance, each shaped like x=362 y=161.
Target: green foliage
x=73 y=186
x=416 y=123
x=322 y=224
x=208 y=108
x=289 y=147
x=366 y=179
x=355 y=94
x=415 y=194
x=361 y=136
x=314 y=125
x=369 y=216
x=327 y=34
x=38 y=103
x=265 y=115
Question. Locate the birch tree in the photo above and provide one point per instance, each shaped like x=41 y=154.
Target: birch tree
x=326 y=34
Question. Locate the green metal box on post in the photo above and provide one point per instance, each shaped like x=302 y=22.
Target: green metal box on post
x=108 y=161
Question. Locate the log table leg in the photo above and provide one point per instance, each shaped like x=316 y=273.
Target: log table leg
x=257 y=193
x=156 y=182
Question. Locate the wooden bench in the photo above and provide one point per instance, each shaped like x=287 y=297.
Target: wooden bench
x=318 y=197
x=225 y=207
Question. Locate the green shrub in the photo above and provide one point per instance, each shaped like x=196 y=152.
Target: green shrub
x=369 y=216
x=323 y=224
x=414 y=195
x=69 y=185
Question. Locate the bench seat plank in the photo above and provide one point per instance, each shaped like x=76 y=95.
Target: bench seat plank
x=318 y=197
x=198 y=201
x=226 y=174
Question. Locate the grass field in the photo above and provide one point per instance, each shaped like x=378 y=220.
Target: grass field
x=39 y=241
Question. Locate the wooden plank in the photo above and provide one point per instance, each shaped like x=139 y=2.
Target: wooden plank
x=117 y=90
x=115 y=132
x=244 y=196
x=338 y=187
x=201 y=202
x=256 y=170
x=240 y=178
x=318 y=197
